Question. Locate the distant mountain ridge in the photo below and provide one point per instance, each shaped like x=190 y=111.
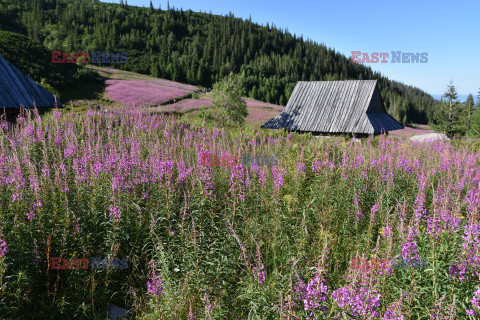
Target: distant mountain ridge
x=461 y=97
x=200 y=49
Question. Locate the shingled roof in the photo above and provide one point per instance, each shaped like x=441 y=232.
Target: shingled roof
x=352 y=106
x=18 y=89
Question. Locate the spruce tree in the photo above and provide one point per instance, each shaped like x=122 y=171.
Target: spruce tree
x=451 y=96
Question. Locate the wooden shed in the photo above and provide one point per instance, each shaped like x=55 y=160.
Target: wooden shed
x=352 y=106
x=19 y=90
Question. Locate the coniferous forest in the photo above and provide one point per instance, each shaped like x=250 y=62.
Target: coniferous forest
x=198 y=48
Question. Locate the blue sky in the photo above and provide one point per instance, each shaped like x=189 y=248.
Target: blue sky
x=449 y=31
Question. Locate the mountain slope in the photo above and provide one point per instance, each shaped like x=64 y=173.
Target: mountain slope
x=200 y=48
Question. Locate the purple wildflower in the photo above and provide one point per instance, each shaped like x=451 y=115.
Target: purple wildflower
x=358 y=301
x=279 y=178
x=114 y=213
x=300 y=169
x=313 y=295
x=467 y=265
x=409 y=250
x=31 y=215
x=475 y=302
x=3 y=248
x=237 y=181
x=154 y=283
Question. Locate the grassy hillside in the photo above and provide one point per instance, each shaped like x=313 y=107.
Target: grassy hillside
x=126 y=89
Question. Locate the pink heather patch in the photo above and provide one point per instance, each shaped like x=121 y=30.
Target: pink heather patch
x=141 y=93
x=166 y=83
x=408 y=132
x=260 y=115
x=260 y=104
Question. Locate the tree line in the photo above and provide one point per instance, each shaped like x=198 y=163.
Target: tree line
x=457 y=118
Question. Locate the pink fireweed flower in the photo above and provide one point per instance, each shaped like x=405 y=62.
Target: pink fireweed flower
x=259 y=273
x=467 y=264
x=387 y=232
x=31 y=215
x=359 y=161
x=77 y=229
x=475 y=302
x=278 y=178
x=373 y=212
x=313 y=295
x=3 y=125
x=318 y=165
x=3 y=248
x=205 y=176
x=237 y=181
x=409 y=250
x=300 y=169
x=360 y=301
x=358 y=211
x=183 y=172
x=69 y=151
x=154 y=283
x=364 y=174
x=114 y=213
x=17 y=197
x=394 y=311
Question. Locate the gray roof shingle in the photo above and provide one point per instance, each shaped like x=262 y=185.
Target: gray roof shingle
x=18 y=89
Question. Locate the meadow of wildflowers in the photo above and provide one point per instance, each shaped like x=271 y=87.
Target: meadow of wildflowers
x=235 y=241
x=142 y=93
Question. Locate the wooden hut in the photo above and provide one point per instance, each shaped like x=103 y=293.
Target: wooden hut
x=19 y=90
x=321 y=107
